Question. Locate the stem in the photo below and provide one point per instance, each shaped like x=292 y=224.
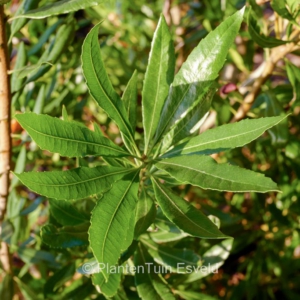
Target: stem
x=5 y=142
x=277 y=54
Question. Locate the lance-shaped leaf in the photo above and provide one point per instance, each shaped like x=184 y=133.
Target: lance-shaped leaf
x=199 y=70
x=225 y=137
x=67 y=138
x=110 y=221
x=72 y=184
x=261 y=39
x=109 y=288
x=158 y=78
x=203 y=171
x=129 y=98
x=66 y=214
x=145 y=213
x=65 y=237
x=99 y=84
x=178 y=260
x=59 y=7
x=185 y=215
x=150 y=285
x=191 y=122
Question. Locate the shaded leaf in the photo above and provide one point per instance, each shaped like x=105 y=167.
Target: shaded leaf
x=65 y=237
x=149 y=284
x=145 y=214
x=185 y=215
x=130 y=99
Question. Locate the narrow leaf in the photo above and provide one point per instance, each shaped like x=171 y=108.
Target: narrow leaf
x=204 y=172
x=99 y=84
x=191 y=122
x=145 y=214
x=72 y=184
x=65 y=213
x=59 y=7
x=225 y=137
x=261 y=39
x=65 y=237
x=185 y=215
x=109 y=288
x=110 y=221
x=158 y=78
x=67 y=138
x=199 y=70
x=178 y=260
x=149 y=284
x=129 y=98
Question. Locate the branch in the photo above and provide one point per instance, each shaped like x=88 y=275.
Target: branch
x=266 y=69
x=5 y=142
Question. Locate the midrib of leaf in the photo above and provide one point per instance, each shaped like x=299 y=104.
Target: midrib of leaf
x=178 y=208
x=201 y=171
x=189 y=86
x=218 y=140
x=156 y=99
x=166 y=253
x=72 y=140
x=117 y=111
x=112 y=217
x=79 y=182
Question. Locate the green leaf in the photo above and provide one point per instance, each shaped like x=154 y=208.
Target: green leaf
x=65 y=213
x=110 y=221
x=199 y=70
x=58 y=279
x=6 y=286
x=191 y=122
x=185 y=215
x=129 y=98
x=189 y=295
x=100 y=86
x=280 y=7
x=109 y=288
x=65 y=237
x=145 y=214
x=280 y=132
x=27 y=292
x=59 y=7
x=177 y=260
x=17 y=24
x=158 y=78
x=259 y=38
x=72 y=184
x=225 y=137
x=212 y=260
x=16 y=83
x=67 y=138
x=204 y=172
x=149 y=284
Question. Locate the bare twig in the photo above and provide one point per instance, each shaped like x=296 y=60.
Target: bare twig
x=5 y=141
x=167 y=11
x=267 y=69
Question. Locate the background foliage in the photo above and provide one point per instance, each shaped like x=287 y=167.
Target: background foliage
x=263 y=261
